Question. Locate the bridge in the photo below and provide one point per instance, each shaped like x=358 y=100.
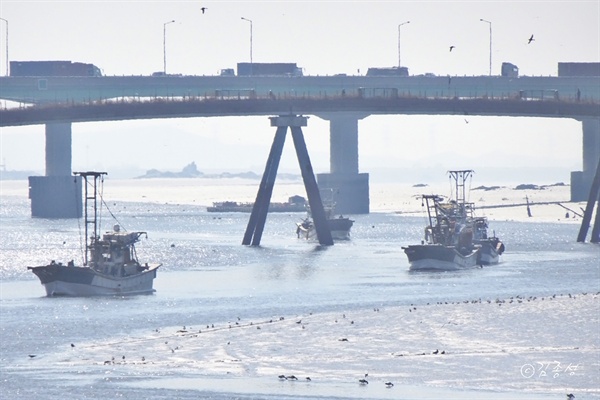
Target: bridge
x=343 y=100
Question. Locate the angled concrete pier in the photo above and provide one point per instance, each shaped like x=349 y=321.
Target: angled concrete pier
x=258 y=216
x=58 y=193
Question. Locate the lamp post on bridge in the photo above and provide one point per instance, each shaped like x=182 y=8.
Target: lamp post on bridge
x=483 y=20
x=165 y=45
x=6 y=36
x=246 y=19
x=399 y=26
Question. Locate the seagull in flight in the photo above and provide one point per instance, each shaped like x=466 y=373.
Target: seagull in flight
x=451 y=47
x=531 y=39
x=203 y=9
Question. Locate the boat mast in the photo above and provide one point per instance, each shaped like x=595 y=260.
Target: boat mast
x=94 y=200
x=460 y=177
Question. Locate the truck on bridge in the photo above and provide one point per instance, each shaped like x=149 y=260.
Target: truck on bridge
x=387 y=71
x=268 y=69
x=53 y=68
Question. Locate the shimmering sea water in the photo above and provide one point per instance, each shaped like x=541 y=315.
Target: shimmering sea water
x=207 y=275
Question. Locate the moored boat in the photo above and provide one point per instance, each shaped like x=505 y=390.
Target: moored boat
x=111 y=266
x=294 y=204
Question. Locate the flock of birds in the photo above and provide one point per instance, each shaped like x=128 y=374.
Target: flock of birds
x=362 y=381
x=185 y=331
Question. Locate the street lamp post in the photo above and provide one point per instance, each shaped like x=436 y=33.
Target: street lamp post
x=165 y=45
x=399 y=59
x=246 y=19
x=6 y=36
x=483 y=20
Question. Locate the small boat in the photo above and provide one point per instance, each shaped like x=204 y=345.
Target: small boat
x=491 y=246
x=454 y=238
x=294 y=204
x=339 y=226
x=306 y=229
x=111 y=266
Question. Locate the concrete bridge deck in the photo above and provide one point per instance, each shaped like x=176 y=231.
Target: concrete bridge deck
x=199 y=107
x=87 y=89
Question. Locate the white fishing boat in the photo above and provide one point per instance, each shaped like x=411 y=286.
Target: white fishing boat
x=448 y=243
x=110 y=267
x=454 y=238
x=491 y=246
x=339 y=225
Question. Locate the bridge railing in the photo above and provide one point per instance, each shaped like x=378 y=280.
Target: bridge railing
x=360 y=93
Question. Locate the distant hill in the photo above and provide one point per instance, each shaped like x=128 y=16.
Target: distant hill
x=191 y=171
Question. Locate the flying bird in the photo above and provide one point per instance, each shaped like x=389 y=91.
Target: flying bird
x=531 y=39
x=203 y=9
x=451 y=47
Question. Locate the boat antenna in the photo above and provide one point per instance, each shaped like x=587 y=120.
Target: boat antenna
x=79 y=215
x=460 y=177
x=93 y=198
x=101 y=196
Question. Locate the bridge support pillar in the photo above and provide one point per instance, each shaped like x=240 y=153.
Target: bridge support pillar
x=58 y=193
x=344 y=185
x=581 y=181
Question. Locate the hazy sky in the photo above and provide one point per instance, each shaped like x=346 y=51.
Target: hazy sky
x=126 y=38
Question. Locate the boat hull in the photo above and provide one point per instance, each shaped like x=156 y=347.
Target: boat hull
x=339 y=227
x=62 y=280
x=491 y=250
x=438 y=257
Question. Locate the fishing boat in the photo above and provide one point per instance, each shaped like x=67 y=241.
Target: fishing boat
x=110 y=265
x=448 y=243
x=339 y=226
x=491 y=246
x=454 y=238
